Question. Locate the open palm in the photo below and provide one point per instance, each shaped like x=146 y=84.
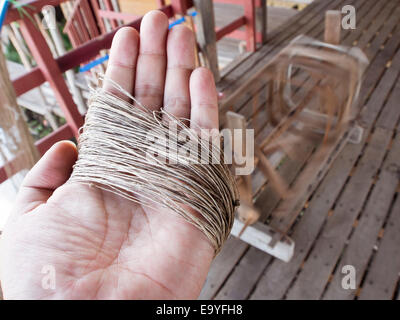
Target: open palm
x=95 y=243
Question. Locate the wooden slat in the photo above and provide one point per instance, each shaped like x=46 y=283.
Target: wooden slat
x=235 y=281
x=374 y=75
x=272 y=48
x=313 y=277
x=278 y=277
x=362 y=241
x=383 y=275
x=240 y=283
x=75 y=57
x=391 y=47
x=231 y=252
x=333 y=19
x=366 y=7
x=206 y=36
x=391 y=113
x=320 y=167
x=216 y=276
x=52 y=74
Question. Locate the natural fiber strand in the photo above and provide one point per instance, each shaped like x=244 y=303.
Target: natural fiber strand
x=121 y=150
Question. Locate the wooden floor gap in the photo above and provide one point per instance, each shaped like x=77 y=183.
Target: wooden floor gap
x=378 y=240
x=230 y=272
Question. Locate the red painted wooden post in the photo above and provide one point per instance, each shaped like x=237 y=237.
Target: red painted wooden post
x=73 y=36
x=250 y=15
x=52 y=73
x=231 y=27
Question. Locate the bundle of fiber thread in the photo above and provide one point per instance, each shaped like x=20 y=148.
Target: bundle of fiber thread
x=131 y=151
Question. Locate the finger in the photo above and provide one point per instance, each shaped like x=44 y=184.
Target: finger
x=180 y=64
x=122 y=64
x=204 y=101
x=152 y=60
x=50 y=172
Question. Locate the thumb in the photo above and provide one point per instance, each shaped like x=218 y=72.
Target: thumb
x=50 y=172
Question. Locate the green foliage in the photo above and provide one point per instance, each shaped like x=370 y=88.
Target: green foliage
x=67 y=43
x=11 y=53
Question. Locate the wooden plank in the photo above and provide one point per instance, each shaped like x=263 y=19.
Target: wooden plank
x=242 y=99
x=313 y=277
x=376 y=23
x=206 y=35
x=321 y=161
x=249 y=269
x=231 y=252
x=250 y=16
x=370 y=113
x=333 y=26
x=364 y=9
x=383 y=274
x=390 y=115
x=365 y=6
x=235 y=281
x=279 y=275
x=272 y=47
x=259 y=235
x=240 y=282
x=262 y=20
x=52 y=74
x=376 y=68
x=362 y=241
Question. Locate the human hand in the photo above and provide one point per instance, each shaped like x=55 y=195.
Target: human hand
x=100 y=245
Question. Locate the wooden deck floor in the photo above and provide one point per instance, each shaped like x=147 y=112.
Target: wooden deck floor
x=353 y=216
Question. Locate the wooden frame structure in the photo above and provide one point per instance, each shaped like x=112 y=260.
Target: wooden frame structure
x=334 y=75
x=51 y=69
x=253 y=20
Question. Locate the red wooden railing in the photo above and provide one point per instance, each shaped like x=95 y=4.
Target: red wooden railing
x=82 y=26
x=51 y=70
x=247 y=20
